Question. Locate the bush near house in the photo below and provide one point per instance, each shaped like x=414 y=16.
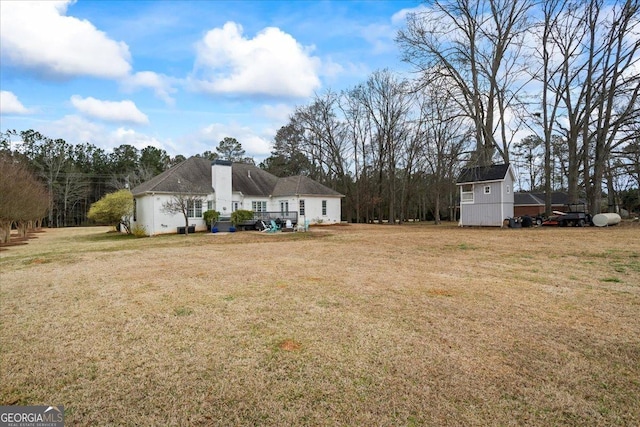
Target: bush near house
x=210 y=217
x=240 y=216
x=113 y=209
x=139 y=231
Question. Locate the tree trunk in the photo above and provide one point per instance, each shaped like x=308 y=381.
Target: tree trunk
x=5 y=231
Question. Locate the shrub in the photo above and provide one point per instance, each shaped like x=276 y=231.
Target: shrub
x=210 y=217
x=114 y=209
x=241 y=215
x=139 y=231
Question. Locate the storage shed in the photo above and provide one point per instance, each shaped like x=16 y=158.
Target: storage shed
x=486 y=195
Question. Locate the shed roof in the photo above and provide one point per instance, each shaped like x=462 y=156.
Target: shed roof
x=484 y=173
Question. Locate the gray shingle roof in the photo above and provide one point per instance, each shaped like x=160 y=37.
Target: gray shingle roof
x=483 y=173
x=301 y=185
x=527 y=199
x=194 y=176
x=189 y=177
x=252 y=181
x=558 y=198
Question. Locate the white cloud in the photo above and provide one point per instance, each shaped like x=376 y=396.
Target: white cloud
x=278 y=113
x=255 y=145
x=111 y=111
x=381 y=37
x=273 y=63
x=331 y=69
x=39 y=36
x=77 y=130
x=633 y=70
x=159 y=83
x=131 y=137
x=400 y=18
x=9 y=104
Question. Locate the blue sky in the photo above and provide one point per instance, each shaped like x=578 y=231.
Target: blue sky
x=182 y=75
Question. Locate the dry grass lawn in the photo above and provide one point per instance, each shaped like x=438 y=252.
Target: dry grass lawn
x=357 y=325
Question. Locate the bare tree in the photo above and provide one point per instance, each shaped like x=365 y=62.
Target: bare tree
x=629 y=156
x=628 y=163
x=387 y=103
x=50 y=157
x=73 y=189
x=528 y=150
x=616 y=87
x=447 y=134
x=475 y=45
x=324 y=139
x=325 y=143
x=552 y=61
x=591 y=85
x=358 y=133
x=184 y=202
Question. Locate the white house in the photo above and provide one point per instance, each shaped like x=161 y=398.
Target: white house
x=486 y=195
x=225 y=187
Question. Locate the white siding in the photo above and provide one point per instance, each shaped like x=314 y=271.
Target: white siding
x=489 y=209
x=150 y=216
x=221 y=183
x=507 y=197
x=313 y=209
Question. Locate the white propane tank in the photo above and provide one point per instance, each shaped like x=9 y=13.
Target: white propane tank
x=605 y=219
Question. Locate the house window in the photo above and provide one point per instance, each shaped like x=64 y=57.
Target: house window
x=209 y=205
x=194 y=208
x=135 y=209
x=259 y=206
x=284 y=208
x=235 y=206
x=466 y=193
x=324 y=208
x=301 y=207
x=487 y=189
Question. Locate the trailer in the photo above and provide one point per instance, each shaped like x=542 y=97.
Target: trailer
x=575 y=216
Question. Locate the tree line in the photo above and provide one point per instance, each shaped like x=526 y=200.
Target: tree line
x=566 y=72
x=485 y=72
x=50 y=182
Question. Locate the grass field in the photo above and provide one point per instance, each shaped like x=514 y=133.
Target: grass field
x=357 y=325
